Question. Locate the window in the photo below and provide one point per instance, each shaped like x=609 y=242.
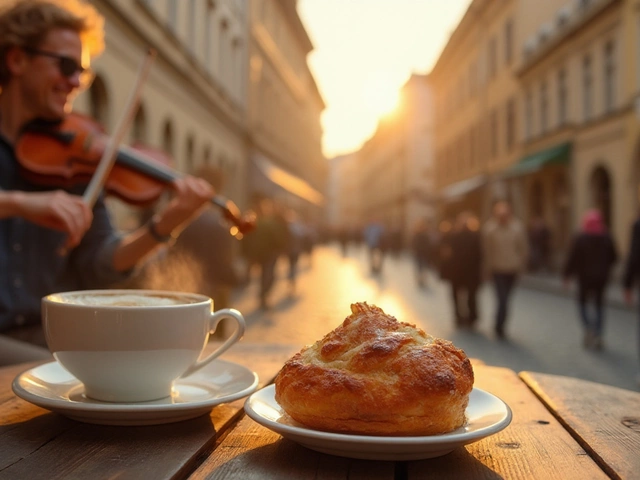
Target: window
x=167 y=137
x=528 y=119
x=544 y=108
x=494 y=133
x=191 y=40
x=493 y=57
x=638 y=50
x=609 y=77
x=587 y=88
x=189 y=157
x=139 y=126
x=511 y=123
x=172 y=15
x=472 y=79
x=473 y=154
x=223 y=50
x=469 y=144
x=562 y=97
x=209 y=36
x=508 y=42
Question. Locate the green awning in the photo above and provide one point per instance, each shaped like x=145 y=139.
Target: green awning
x=558 y=155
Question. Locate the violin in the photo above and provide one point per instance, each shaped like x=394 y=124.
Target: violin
x=66 y=153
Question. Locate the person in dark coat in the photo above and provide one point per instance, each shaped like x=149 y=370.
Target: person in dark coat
x=590 y=259
x=465 y=269
x=267 y=242
x=421 y=248
x=632 y=272
x=442 y=249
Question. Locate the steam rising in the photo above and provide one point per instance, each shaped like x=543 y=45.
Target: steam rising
x=175 y=271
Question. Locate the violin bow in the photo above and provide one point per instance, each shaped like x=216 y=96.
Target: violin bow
x=109 y=155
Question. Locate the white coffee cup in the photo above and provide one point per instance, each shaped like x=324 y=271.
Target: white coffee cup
x=130 y=345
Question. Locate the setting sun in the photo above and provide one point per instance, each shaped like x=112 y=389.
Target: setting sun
x=381 y=94
x=360 y=71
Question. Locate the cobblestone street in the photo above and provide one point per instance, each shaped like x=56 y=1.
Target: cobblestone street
x=544 y=333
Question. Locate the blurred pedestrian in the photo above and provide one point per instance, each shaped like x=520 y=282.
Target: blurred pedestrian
x=465 y=269
x=591 y=256
x=442 y=249
x=421 y=249
x=505 y=251
x=375 y=238
x=296 y=235
x=267 y=243
x=632 y=271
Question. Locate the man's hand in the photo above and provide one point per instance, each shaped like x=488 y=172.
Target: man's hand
x=190 y=196
x=628 y=296
x=57 y=210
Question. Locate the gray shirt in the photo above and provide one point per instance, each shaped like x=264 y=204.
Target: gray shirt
x=506 y=247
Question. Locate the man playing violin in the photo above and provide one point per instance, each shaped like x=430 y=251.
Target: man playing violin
x=45 y=49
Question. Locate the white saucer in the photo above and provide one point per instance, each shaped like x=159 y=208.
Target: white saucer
x=50 y=386
x=486 y=415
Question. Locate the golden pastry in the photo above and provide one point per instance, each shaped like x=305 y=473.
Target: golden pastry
x=374 y=375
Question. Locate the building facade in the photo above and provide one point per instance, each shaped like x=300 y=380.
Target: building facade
x=538 y=104
x=476 y=120
x=229 y=87
x=193 y=104
x=579 y=82
x=284 y=107
x=343 y=194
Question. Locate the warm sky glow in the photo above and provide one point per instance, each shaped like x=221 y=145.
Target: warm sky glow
x=380 y=93
x=365 y=50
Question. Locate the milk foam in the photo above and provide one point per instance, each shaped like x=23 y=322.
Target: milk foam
x=126 y=300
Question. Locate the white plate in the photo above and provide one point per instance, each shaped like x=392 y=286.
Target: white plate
x=50 y=386
x=486 y=415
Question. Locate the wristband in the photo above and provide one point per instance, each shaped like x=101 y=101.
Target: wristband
x=151 y=228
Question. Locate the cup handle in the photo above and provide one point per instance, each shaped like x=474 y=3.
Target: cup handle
x=213 y=322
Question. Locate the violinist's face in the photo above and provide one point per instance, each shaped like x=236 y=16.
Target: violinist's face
x=46 y=91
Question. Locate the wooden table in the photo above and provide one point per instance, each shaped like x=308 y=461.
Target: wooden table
x=562 y=428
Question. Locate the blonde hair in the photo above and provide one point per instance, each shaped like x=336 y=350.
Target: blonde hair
x=26 y=23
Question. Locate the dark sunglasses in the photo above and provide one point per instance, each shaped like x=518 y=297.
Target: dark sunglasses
x=67 y=65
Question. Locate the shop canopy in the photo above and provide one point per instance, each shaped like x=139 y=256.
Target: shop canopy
x=460 y=189
x=558 y=155
x=287 y=181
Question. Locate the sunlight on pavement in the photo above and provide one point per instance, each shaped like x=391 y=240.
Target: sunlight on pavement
x=325 y=291
x=543 y=329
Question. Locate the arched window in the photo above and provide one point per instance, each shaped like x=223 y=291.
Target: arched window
x=189 y=167
x=223 y=52
x=167 y=137
x=236 y=65
x=99 y=101
x=139 y=127
x=587 y=88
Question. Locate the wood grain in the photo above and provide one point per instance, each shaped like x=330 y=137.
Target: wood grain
x=534 y=445
x=605 y=420
x=252 y=452
x=35 y=443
